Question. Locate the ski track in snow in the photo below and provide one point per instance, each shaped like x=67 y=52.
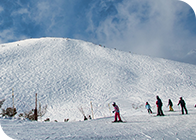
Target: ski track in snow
x=69 y=73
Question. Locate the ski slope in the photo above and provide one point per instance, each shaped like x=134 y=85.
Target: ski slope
x=68 y=74
x=138 y=127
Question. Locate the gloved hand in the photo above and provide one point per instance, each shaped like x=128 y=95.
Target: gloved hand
x=113 y=111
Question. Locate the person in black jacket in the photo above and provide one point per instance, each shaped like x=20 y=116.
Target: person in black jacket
x=183 y=105
x=170 y=104
x=159 y=107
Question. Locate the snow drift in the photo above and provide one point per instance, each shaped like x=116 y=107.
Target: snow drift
x=68 y=74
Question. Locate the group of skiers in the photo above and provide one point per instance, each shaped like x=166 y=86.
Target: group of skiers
x=170 y=104
x=148 y=107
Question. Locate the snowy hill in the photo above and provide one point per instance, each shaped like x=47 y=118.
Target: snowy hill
x=68 y=74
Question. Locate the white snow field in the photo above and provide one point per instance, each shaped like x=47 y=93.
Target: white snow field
x=68 y=74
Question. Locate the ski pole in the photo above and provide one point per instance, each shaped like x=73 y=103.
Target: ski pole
x=123 y=118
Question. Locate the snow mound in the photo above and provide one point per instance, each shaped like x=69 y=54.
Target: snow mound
x=68 y=74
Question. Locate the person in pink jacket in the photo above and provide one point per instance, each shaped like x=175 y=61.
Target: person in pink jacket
x=117 y=113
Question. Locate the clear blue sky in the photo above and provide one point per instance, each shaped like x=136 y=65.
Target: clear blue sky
x=160 y=28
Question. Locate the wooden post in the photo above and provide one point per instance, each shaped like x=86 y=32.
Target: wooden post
x=13 y=99
x=35 y=111
x=40 y=111
x=92 y=110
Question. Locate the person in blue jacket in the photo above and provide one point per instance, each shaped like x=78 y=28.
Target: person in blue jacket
x=148 y=107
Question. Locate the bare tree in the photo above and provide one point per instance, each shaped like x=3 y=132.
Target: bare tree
x=31 y=116
x=1 y=102
x=10 y=112
x=82 y=111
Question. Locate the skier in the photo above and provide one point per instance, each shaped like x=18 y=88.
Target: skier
x=170 y=104
x=117 y=113
x=148 y=107
x=195 y=105
x=159 y=107
x=183 y=105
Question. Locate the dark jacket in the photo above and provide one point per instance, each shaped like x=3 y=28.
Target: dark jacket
x=182 y=102
x=170 y=103
x=159 y=102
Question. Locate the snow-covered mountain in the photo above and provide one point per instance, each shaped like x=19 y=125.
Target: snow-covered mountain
x=67 y=74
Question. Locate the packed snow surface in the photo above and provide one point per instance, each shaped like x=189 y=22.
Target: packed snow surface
x=68 y=74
